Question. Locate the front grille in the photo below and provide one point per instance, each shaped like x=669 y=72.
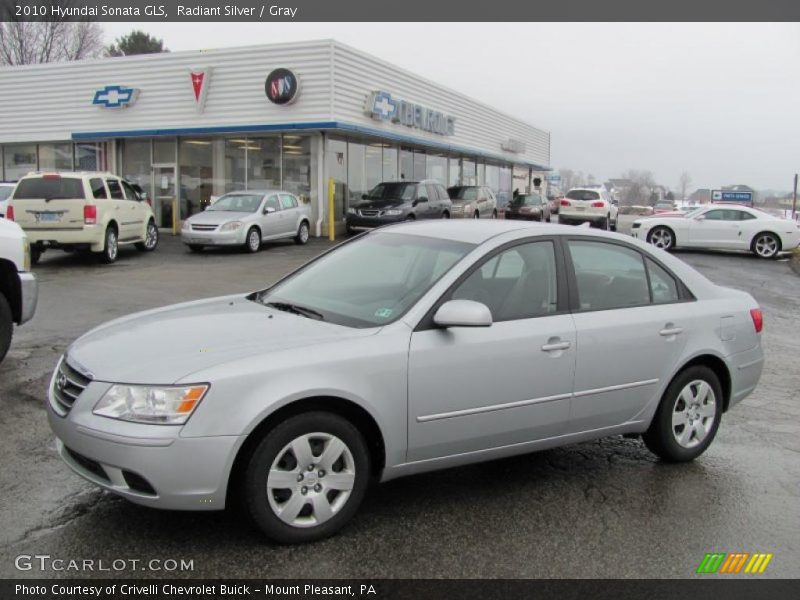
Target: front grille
x=203 y=227
x=68 y=386
x=370 y=213
x=87 y=464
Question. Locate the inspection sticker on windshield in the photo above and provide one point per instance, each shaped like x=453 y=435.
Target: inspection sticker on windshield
x=383 y=313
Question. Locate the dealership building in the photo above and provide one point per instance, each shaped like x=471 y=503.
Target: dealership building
x=191 y=126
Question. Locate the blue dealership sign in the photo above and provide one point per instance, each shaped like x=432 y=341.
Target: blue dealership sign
x=731 y=196
x=115 y=96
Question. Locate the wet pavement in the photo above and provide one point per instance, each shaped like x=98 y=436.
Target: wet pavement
x=599 y=509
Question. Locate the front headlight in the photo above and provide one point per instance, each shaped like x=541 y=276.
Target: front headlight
x=232 y=226
x=393 y=212
x=186 y=224
x=351 y=211
x=159 y=405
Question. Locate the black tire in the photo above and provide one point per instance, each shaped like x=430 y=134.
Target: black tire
x=477 y=215
x=494 y=214
x=660 y=437
x=267 y=452
x=411 y=218
x=613 y=225
x=766 y=245
x=110 y=249
x=445 y=215
x=350 y=231
x=252 y=241
x=302 y=234
x=547 y=219
x=6 y=326
x=196 y=248
x=665 y=234
x=150 y=238
x=36 y=254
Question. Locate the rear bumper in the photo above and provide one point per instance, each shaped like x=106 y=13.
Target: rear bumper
x=745 y=370
x=29 y=288
x=582 y=216
x=90 y=235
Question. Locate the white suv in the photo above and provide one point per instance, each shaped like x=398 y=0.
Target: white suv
x=81 y=211
x=588 y=205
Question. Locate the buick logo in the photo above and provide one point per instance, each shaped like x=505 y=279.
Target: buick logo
x=282 y=86
x=61 y=382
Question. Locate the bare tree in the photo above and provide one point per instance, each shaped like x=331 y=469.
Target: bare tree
x=32 y=42
x=683 y=184
x=641 y=189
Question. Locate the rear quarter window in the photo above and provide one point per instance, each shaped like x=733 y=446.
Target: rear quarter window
x=56 y=188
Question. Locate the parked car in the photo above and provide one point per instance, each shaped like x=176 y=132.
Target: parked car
x=391 y=202
x=554 y=202
x=664 y=207
x=81 y=210
x=721 y=227
x=5 y=191
x=297 y=396
x=19 y=291
x=472 y=202
x=589 y=205
x=528 y=207
x=247 y=219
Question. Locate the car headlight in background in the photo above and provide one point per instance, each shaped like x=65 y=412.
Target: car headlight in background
x=467 y=207
x=186 y=224
x=351 y=211
x=393 y=212
x=160 y=405
x=232 y=226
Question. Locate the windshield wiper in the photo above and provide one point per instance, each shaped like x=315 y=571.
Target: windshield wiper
x=297 y=310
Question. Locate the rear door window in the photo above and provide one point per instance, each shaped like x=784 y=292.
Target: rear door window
x=98 y=188
x=49 y=188
x=583 y=195
x=115 y=188
x=608 y=275
x=288 y=201
x=130 y=193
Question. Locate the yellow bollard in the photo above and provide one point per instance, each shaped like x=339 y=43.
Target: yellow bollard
x=174 y=216
x=331 y=209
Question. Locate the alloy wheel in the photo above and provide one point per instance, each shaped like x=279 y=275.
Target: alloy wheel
x=311 y=479
x=151 y=238
x=661 y=238
x=766 y=246
x=111 y=245
x=693 y=413
x=253 y=240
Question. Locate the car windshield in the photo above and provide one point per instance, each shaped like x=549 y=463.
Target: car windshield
x=463 y=193
x=393 y=191
x=5 y=191
x=695 y=212
x=527 y=200
x=582 y=195
x=368 y=282
x=49 y=188
x=237 y=203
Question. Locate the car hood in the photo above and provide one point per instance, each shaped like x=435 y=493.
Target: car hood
x=218 y=217
x=165 y=345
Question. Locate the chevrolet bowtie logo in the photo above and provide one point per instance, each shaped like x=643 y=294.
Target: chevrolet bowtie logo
x=382 y=106
x=115 y=96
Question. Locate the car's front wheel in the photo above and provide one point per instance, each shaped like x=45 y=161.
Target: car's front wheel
x=661 y=237
x=307 y=477
x=688 y=416
x=6 y=326
x=150 y=238
x=253 y=241
x=302 y=234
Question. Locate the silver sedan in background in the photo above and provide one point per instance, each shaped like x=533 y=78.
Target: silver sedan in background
x=248 y=218
x=411 y=348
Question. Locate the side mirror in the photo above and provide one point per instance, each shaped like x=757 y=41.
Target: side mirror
x=269 y=210
x=463 y=313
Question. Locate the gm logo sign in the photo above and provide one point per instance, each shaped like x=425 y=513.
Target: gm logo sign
x=734 y=563
x=115 y=96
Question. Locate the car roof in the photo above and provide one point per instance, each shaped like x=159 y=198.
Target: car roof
x=263 y=192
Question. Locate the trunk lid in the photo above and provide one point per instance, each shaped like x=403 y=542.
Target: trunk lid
x=49 y=202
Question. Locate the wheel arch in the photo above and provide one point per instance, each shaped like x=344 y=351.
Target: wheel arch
x=668 y=228
x=342 y=407
x=720 y=369
x=766 y=231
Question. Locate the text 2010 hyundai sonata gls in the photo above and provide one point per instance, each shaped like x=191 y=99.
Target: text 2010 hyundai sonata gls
x=414 y=347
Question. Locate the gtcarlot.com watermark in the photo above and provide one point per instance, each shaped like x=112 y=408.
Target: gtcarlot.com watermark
x=47 y=563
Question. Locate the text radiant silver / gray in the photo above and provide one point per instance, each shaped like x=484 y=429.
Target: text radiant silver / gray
x=414 y=347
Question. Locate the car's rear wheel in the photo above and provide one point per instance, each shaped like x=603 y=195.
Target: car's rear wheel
x=111 y=248
x=6 y=326
x=307 y=477
x=150 y=238
x=766 y=245
x=253 y=240
x=445 y=215
x=688 y=417
x=661 y=237
x=494 y=214
x=302 y=234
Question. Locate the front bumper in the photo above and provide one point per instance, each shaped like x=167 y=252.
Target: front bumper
x=29 y=288
x=151 y=465
x=524 y=216
x=214 y=238
x=359 y=222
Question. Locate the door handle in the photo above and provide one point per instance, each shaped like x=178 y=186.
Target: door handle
x=668 y=331
x=555 y=346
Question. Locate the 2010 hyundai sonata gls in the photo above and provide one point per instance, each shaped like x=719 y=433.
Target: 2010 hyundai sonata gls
x=411 y=348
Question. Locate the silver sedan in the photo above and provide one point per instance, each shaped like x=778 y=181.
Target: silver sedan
x=247 y=219
x=411 y=348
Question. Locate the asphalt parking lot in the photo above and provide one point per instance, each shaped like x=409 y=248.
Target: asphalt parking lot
x=600 y=509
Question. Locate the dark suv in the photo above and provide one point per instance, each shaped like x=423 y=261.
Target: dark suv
x=395 y=201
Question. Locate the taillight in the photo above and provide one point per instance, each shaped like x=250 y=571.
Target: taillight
x=598 y=204
x=10 y=212
x=565 y=202
x=758 y=319
x=90 y=214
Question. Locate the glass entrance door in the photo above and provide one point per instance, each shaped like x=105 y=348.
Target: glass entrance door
x=165 y=199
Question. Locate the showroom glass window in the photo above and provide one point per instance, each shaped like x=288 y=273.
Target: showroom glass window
x=196 y=158
x=336 y=159
x=297 y=166
x=136 y=163
x=389 y=164
x=518 y=283
x=504 y=190
x=481 y=176
x=406 y=164
x=56 y=157
x=420 y=170
x=164 y=151
x=437 y=168
x=373 y=167
x=454 y=175
x=264 y=163
x=235 y=161
x=19 y=160
x=468 y=172
x=608 y=275
x=356 y=172
x=91 y=156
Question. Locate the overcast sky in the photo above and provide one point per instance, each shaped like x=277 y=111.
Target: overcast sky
x=720 y=101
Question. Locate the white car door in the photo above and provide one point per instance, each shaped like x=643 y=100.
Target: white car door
x=472 y=389
x=716 y=228
x=629 y=333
